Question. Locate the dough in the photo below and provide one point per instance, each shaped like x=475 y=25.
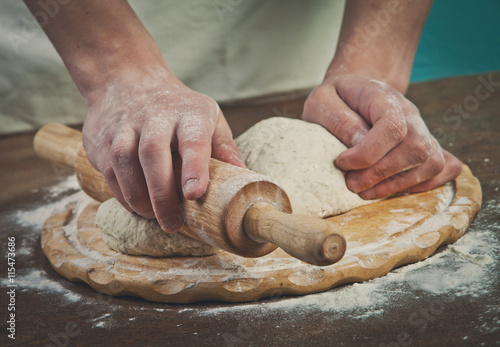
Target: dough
x=131 y=234
x=300 y=156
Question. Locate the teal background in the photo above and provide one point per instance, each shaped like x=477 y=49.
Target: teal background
x=460 y=37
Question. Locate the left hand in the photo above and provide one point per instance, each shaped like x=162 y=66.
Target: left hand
x=390 y=148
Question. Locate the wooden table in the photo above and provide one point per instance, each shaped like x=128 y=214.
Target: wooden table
x=48 y=317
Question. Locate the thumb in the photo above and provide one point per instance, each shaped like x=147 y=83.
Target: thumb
x=326 y=108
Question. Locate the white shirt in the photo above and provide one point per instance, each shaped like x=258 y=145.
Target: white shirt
x=227 y=49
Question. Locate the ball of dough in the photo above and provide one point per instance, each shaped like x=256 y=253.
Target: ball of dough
x=128 y=233
x=300 y=156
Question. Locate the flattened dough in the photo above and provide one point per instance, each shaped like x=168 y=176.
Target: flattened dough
x=131 y=234
x=300 y=156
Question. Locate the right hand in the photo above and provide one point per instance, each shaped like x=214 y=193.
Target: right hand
x=134 y=121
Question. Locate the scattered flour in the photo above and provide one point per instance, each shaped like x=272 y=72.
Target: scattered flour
x=101 y=317
x=36 y=217
x=33 y=220
x=100 y=325
x=36 y=280
x=466 y=268
x=67 y=184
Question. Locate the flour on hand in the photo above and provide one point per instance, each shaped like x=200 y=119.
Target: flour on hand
x=300 y=156
x=131 y=234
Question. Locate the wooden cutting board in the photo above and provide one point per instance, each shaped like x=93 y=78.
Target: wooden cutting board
x=380 y=237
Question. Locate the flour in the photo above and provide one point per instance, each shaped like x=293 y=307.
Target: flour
x=462 y=269
x=36 y=280
x=101 y=317
x=465 y=268
x=36 y=218
x=69 y=183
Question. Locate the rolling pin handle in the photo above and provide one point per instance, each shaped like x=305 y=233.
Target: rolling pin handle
x=312 y=240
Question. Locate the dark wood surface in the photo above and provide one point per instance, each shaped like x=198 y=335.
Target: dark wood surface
x=48 y=318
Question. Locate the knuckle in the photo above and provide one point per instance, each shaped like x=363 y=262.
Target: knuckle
x=378 y=173
x=456 y=167
x=149 y=147
x=397 y=128
x=436 y=164
x=121 y=155
x=421 y=151
x=108 y=172
x=159 y=197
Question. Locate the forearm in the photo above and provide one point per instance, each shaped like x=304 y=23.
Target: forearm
x=379 y=39
x=97 y=38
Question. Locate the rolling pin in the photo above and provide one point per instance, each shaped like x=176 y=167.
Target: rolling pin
x=242 y=212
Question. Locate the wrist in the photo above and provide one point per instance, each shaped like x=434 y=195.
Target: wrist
x=388 y=71
x=97 y=67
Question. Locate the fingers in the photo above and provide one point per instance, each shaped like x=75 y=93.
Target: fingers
x=391 y=149
x=404 y=180
x=100 y=158
x=435 y=171
x=389 y=129
x=194 y=143
x=109 y=174
x=326 y=108
x=414 y=151
x=128 y=172
x=426 y=170
x=451 y=170
x=223 y=146
x=156 y=161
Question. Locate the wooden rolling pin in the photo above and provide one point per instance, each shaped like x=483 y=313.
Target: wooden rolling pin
x=242 y=212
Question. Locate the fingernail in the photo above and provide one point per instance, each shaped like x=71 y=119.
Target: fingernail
x=368 y=194
x=353 y=184
x=190 y=185
x=344 y=165
x=171 y=224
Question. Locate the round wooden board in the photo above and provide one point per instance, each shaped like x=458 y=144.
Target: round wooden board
x=380 y=237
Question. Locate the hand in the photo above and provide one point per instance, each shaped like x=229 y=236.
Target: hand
x=133 y=123
x=390 y=148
